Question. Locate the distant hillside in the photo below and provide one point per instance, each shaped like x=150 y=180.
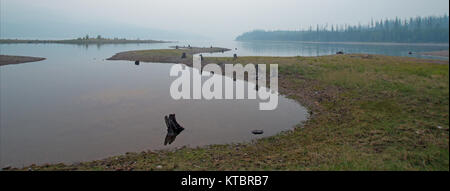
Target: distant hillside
x=414 y=30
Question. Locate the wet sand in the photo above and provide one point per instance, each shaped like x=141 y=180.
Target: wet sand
x=442 y=53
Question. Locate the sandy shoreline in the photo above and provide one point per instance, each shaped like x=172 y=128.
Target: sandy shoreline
x=10 y=59
x=442 y=53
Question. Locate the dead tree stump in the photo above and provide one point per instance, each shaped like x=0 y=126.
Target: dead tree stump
x=257 y=85
x=173 y=129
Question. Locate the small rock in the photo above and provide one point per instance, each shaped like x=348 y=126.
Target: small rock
x=257 y=132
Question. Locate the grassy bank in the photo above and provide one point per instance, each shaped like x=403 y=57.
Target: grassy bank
x=369 y=112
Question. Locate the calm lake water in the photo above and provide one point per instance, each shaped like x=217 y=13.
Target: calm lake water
x=75 y=106
x=279 y=48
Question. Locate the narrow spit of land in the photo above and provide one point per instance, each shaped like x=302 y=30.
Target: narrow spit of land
x=173 y=55
x=9 y=59
x=369 y=112
x=81 y=41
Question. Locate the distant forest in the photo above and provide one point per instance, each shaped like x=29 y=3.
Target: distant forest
x=432 y=29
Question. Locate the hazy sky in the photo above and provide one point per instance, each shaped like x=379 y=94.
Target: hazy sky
x=214 y=18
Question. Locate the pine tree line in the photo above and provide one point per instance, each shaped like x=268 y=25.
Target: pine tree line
x=433 y=29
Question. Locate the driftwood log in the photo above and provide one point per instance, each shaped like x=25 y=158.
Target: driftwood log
x=173 y=129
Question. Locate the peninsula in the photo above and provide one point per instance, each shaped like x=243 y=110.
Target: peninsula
x=9 y=59
x=174 y=55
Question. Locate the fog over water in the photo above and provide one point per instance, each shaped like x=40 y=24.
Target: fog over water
x=194 y=19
